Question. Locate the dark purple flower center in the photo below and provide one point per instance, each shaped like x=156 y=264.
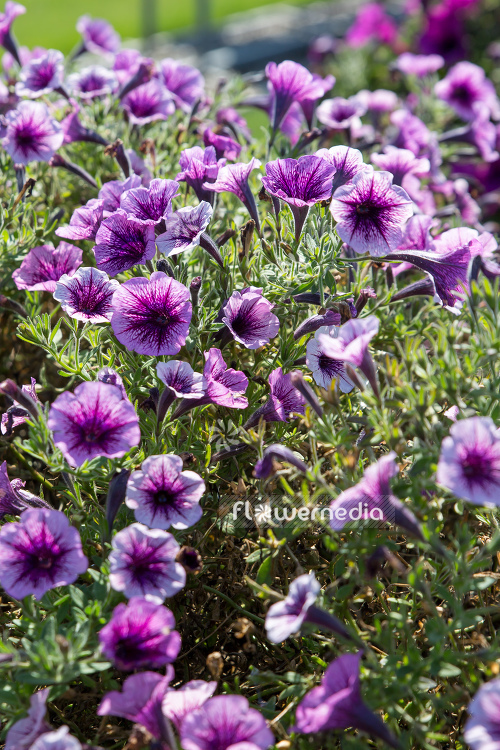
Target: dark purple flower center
x=165 y=498
x=477 y=466
x=25 y=136
x=462 y=94
x=45 y=562
x=364 y=209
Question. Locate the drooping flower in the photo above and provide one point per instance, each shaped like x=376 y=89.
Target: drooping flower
x=348 y=162
x=283 y=401
x=177 y=704
x=38 y=553
x=152 y=316
x=248 y=316
x=92 y=82
x=225 y=722
x=199 y=166
x=148 y=103
x=24 y=732
x=142 y=563
x=482 y=728
x=371 y=213
x=123 y=242
x=325 y=369
x=84 y=222
x=13 y=498
x=301 y=183
x=41 y=75
x=466 y=85
x=111 y=191
x=162 y=495
x=140 y=634
x=339 y=113
x=264 y=467
x=337 y=703
x=371 y=23
x=59 y=739
x=44 y=265
x=310 y=325
x=99 y=37
x=184 y=228
x=185 y=83
x=87 y=295
x=371 y=499
x=18 y=414
x=469 y=462
x=351 y=345
x=418 y=65
x=140 y=700
x=152 y=204
x=30 y=133
x=292 y=83
x=180 y=379
x=93 y=421
x=11 y=12
x=233 y=178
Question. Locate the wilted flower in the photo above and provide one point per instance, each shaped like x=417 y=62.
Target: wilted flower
x=177 y=704
x=348 y=162
x=283 y=401
x=93 y=421
x=38 y=553
x=30 y=133
x=24 y=732
x=148 y=103
x=325 y=369
x=152 y=316
x=162 y=495
x=248 y=316
x=233 y=178
x=482 y=728
x=18 y=414
x=225 y=722
x=372 y=22
x=41 y=75
x=84 y=222
x=152 y=204
x=142 y=563
x=99 y=37
x=339 y=113
x=92 y=82
x=184 y=228
x=264 y=466
x=185 y=83
x=123 y=242
x=44 y=265
x=418 y=65
x=199 y=166
x=87 y=295
x=371 y=213
x=59 y=739
x=466 y=85
x=292 y=83
x=140 y=634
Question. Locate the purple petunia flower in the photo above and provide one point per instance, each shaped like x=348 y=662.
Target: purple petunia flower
x=264 y=467
x=248 y=316
x=418 y=65
x=13 y=498
x=413 y=133
x=59 y=739
x=469 y=462
x=372 y=22
x=162 y=495
x=177 y=704
x=123 y=242
x=142 y=563
x=152 y=316
x=44 y=265
x=185 y=83
x=87 y=295
x=466 y=85
x=152 y=204
x=292 y=83
x=233 y=178
x=380 y=100
x=181 y=380
x=99 y=37
x=11 y=12
x=371 y=213
x=184 y=228
x=325 y=369
x=401 y=162
x=231 y=118
x=140 y=634
x=24 y=732
x=84 y=222
x=225 y=146
x=38 y=553
x=337 y=703
x=301 y=183
x=93 y=421
x=140 y=700
x=482 y=728
x=148 y=103
x=199 y=166
x=30 y=133
x=460 y=236
x=225 y=722
x=92 y=82
x=351 y=345
x=126 y=64
x=110 y=192
x=339 y=113
x=41 y=75
x=17 y=414
x=74 y=130
x=111 y=377
x=310 y=325
x=348 y=162
x=371 y=499
x=283 y=401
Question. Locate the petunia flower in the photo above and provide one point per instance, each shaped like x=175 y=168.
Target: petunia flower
x=248 y=316
x=41 y=75
x=184 y=82
x=59 y=739
x=372 y=499
x=231 y=118
x=126 y=63
x=93 y=421
x=264 y=467
x=371 y=213
x=460 y=236
x=466 y=85
x=99 y=37
x=351 y=346
x=18 y=413
x=30 y=133
x=225 y=146
x=225 y=722
x=87 y=295
x=378 y=101
x=312 y=324
x=162 y=495
x=184 y=229
x=140 y=634
x=301 y=183
x=123 y=242
x=148 y=103
x=13 y=498
x=180 y=382
x=38 y=553
x=371 y=23
x=284 y=400
x=142 y=563
x=92 y=82
x=418 y=65
x=110 y=192
x=44 y=265
x=469 y=462
x=84 y=222
x=413 y=133
x=233 y=178
x=177 y=704
x=348 y=162
x=152 y=204
x=401 y=163
x=199 y=166
x=111 y=377
x=337 y=704
x=325 y=369
x=482 y=728
x=11 y=11
x=152 y=316
x=24 y=732
x=140 y=701
x=339 y=113
x=292 y=83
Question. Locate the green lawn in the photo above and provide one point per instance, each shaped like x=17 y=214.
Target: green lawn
x=51 y=23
